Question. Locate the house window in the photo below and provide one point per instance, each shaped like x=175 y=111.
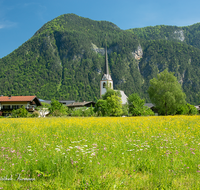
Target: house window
x=104 y=85
x=15 y=107
x=6 y=107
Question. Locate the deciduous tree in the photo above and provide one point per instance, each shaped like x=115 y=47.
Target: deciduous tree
x=114 y=105
x=166 y=93
x=136 y=106
x=110 y=105
x=58 y=109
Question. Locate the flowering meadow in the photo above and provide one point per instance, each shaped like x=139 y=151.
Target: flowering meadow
x=100 y=153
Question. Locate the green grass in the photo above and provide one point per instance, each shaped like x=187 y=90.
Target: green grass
x=100 y=153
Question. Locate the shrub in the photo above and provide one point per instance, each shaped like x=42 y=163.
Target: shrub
x=56 y=113
x=136 y=106
x=35 y=114
x=21 y=112
x=101 y=107
x=58 y=109
x=187 y=109
x=76 y=112
x=192 y=110
x=125 y=109
x=147 y=111
x=85 y=111
x=110 y=105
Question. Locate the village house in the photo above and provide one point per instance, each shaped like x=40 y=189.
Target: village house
x=43 y=112
x=64 y=102
x=9 y=103
x=198 y=108
x=77 y=105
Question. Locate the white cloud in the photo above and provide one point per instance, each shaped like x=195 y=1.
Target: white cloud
x=7 y=24
x=4 y=9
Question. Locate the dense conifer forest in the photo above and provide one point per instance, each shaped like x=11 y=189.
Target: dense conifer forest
x=65 y=59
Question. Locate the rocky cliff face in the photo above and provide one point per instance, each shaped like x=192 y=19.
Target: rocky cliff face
x=138 y=53
x=179 y=35
x=98 y=50
x=102 y=50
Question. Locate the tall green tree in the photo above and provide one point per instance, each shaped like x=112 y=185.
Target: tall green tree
x=166 y=93
x=110 y=105
x=58 y=109
x=114 y=105
x=110 y=92
x=101 y=107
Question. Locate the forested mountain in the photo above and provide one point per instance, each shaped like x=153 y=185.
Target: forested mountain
x=189 y=34
x=65 y=59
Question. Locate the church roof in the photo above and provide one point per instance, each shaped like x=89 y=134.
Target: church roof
x=124 y=98
x=106 y=75
x=106 y=70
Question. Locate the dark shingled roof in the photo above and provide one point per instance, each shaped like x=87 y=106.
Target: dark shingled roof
x=80 y=104
x=65 y=102
x=149 y=105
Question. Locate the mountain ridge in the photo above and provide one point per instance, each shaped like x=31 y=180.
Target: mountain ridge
x=64 y=59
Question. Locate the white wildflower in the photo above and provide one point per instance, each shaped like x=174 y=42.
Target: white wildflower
x=93 y=154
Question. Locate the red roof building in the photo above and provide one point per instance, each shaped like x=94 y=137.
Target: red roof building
x=9 y=103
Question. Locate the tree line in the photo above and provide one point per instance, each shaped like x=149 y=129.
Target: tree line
x=165 y=93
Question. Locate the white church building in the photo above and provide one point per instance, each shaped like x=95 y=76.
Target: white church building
x=107 y=81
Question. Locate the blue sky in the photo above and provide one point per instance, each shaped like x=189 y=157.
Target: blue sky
x=20 y=19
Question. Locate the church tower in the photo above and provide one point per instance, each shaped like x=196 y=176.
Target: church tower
x=106 y=79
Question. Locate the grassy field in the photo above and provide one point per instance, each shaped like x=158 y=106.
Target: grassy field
x=100 y=153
